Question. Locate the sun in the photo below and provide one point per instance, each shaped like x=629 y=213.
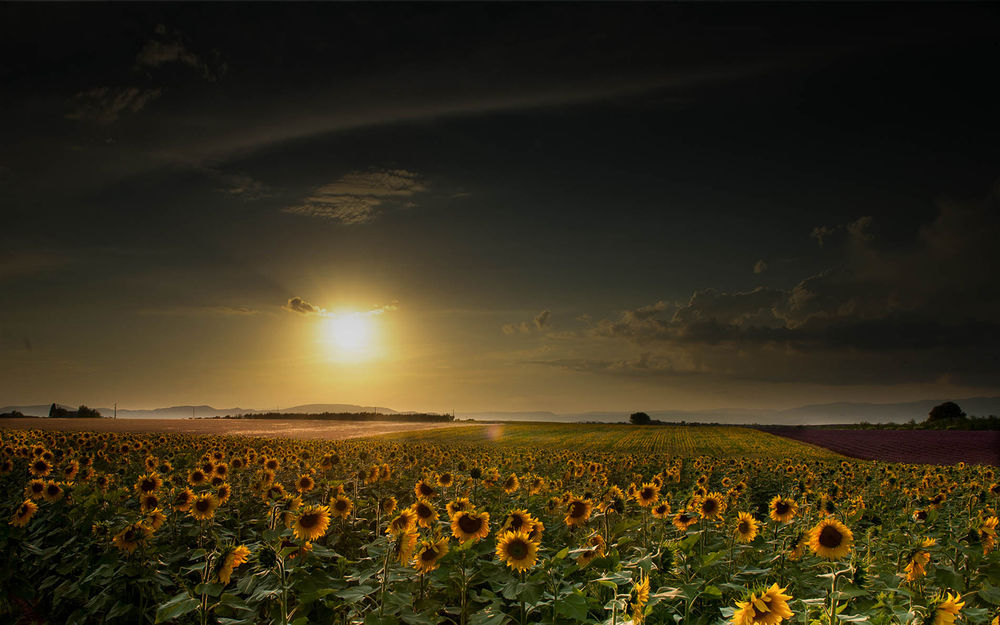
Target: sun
x=349 y=333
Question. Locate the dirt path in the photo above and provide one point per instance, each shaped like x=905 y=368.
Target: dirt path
x=328 y=430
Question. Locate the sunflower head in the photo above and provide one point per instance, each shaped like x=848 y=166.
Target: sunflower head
x=517 y=550
x=763 y=607
x=647 y=494
x=341 y=507
x=831 y=539
x=783 y=510
x=746 y=528
x=22 y=516
x=311 y=522
x=425 y=513
x=468 y=525
x=429 y=554
x=203 y=506
x=577 y=511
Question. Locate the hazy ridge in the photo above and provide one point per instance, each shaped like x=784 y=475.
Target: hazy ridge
x=811 y=414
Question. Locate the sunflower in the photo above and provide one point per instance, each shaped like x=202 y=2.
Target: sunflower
x=341 y=507
x=711 y=505
x=52 y=492
x=518 y=521
x=131 y=537
x=768 y=607
x=831 y=539
x=403 y=544
x=182 y=500
x=223 y=492
x=203 y=507
x=424 y=490
x=24 y=512
x=155 y=519
x=683 y=520
x=467 y=525
x=641 y=590
x=577 y=511
x=746 y=528
x=311 y=522
x=388 y=505
x=148 y=483
x=429 y=554
x=304 y=484
x=597 y=550
x=425 y=512
x=148 y=502
x=404 y=522
x=39 y=467
x=988 y=534
x=782 y=509
x=647 y=494
x=197 y=477
x=461 y=504
x=517 y=550
x=35 y=489
x=919 y=559
x=234 y=557
x=946 y=609
x=661 y=510
x=511 y=484
x=444 y=480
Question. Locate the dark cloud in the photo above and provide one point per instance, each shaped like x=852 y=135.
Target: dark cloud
x=301 y=306
x=911 y=302
x=543 y=319
x=103 y=105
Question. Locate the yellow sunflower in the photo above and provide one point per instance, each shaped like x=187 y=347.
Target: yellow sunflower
x=223 y=492
x=468 y=525
x=35 y=489
x=746 y=528
x=24 y=512
x=425 y=512
x=182 y=500
x=39 y=467
x=311 y=522
x=404 y=522
x=511 y=484
x=424 y=490
x=831 y=539
x=661 y=510
x=711 y=506
x=641 y=590
x=148 y=502
x=304 y=484
x=388 y=505
x=783 y=510
x=683 y=520
x=577 y=511
x=234 y=557
x=647 y=494
x=459 y=505
x=518 y=521
x=155 y=519
x=403 y=544
x=148 y=483
x=919 y=559
x=341 y=507
x=429 y=554
x=197 y=477
x=768 y=607
x=946 y=609
x=517 y=550
x=131 y=537
x=203 y=507
x=52 y=492
x=988 y=534
x=597 y=550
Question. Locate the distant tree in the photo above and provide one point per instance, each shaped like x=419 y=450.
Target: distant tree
x=640 y=418
x=946 y=411
x=83 y=411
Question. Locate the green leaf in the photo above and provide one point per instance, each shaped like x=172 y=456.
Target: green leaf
x=179 y=605
x=573 y=605
x=562 y=554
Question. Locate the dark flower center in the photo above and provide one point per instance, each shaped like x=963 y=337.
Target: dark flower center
x=744 y=527
x=309 y=520
x=517 y=549
x=426 y=490
x=424 y=511
x=647 y=493
x=340 y=505
x=577 y=509
x=830 y=537
x=428 y=555
x=203 y=505
x=709 y=506
x=469 y=524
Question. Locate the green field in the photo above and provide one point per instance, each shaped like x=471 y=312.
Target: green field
x=681 y=441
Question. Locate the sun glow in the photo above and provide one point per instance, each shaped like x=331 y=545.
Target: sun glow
x=349 y=334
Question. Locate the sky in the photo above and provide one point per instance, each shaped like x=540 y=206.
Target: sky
x=517 y=207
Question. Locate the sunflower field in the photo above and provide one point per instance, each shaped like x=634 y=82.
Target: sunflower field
x=527 y=524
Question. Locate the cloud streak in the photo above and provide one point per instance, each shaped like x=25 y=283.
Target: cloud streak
x=359 y=197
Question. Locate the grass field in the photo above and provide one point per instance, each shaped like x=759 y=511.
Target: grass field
x=684 y=441
x=487 y=525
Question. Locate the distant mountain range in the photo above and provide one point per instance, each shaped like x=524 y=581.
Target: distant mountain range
x=182 y=412
x=813 y=414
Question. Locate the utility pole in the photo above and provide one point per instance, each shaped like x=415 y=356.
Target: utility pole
x=115 y=418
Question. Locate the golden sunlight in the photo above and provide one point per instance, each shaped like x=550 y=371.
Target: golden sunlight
x=349 y=334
